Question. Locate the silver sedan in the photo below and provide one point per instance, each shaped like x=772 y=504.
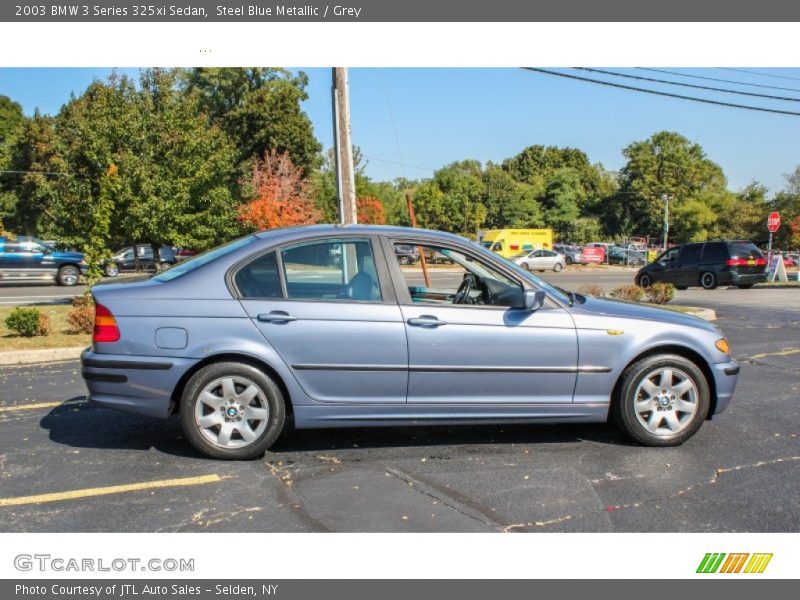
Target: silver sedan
x=541 y=260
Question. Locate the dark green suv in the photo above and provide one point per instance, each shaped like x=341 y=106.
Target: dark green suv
x=707 y=264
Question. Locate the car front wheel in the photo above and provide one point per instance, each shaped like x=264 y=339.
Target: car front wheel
x=662 y=400
x=68 y=275
x=232 y=411
x=111 y=270
x=645 y=281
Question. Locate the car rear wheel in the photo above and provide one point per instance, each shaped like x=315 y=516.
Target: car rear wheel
x=111 y=270
x=662 y=400
x=232 y=411
x=645 y=281
x=708 y=280
x=569 y=260
x=557 y=267
x=68 y=275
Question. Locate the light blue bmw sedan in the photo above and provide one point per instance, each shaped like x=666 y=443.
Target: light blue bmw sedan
x=321 y=326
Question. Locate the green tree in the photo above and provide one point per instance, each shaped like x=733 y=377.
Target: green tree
x=666 y=163
x=562 y=201
x=11 y=122
x=537 y=166
x=787 y=202
x=453 y=199
x=259 y=109
x=508 y=202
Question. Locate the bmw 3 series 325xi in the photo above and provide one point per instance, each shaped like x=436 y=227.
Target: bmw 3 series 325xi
x=321 y=326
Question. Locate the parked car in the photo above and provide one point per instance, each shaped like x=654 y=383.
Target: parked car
x=183 y=253
x=124 y=261
x=242 y=338
x=620 y=255
x=573 y=255
x=406 y=254
x=541 y=260
x=30 y=260
x=707 y=264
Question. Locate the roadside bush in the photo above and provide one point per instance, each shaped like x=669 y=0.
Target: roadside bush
x=81 y=317
x=660 y=293
x=28 y=322
x=591 y=290
x=631 y=293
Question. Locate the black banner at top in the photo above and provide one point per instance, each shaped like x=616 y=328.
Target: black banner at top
x=399 y=10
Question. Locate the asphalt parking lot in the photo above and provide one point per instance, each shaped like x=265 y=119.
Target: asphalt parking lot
x=66 y=465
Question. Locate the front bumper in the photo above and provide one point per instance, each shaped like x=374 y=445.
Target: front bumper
x=725 y=377
x=137 y=384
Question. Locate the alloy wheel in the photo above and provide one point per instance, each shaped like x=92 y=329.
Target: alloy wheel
x=232 y=412
x=666 y=401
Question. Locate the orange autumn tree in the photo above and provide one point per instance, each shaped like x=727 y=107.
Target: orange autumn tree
x=370 y=211
x=282 y=196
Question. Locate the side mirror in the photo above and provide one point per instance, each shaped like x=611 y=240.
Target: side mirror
x=533 y=299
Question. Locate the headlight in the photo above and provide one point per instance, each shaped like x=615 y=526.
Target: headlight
x=723 y=346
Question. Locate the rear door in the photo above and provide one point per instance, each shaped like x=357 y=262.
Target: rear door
x=332 y=318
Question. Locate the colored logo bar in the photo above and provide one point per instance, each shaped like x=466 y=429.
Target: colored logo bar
x=736 y=562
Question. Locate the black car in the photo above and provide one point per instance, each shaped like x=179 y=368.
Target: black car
x=124 y=261
x=707 y=264
x=28 y=259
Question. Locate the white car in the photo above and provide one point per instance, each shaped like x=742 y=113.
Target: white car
x=541 y=260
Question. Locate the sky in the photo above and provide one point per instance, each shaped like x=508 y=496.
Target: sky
x=409 y=122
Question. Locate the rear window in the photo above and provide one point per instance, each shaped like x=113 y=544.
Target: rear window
x=201 y=259
x=744 y=250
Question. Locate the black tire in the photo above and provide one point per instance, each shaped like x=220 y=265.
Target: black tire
x=744 y=286
x=526 y=266
x=164 y=265
x=568 y=260
x=623 y=410
x=645 y=281
x=557 y=267
x=273 y=396
x=68 y=275
x=708 y=280
x=111 y=270
x=404 y=260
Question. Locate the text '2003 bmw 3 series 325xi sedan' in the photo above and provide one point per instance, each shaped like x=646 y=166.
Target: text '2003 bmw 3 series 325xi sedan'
x=322 y=327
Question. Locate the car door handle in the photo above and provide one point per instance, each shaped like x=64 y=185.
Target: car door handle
x=276 y=316
x=426 y=321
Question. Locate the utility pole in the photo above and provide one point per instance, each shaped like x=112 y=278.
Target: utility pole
x=343 y=148
x=666 y=199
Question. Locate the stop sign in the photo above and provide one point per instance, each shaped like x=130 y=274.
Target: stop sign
x=773 y=221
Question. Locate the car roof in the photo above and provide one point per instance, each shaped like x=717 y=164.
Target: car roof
x=308 y=231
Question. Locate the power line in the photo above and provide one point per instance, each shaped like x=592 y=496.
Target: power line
x=660 y=93
x=689 y=85
x=762 y=74
x=758 y=85
x=402 y=164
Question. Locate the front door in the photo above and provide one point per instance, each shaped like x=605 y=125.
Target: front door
x=470 y=343
x=323 y=307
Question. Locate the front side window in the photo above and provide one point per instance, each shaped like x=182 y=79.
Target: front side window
x=454 y=278
x=331 y=270
x=669 y=256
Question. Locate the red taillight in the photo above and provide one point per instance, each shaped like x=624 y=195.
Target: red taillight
x=105 y=327
x=736 y=262
x=761 y=262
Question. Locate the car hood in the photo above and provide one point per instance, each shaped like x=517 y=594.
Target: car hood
x=634 y=310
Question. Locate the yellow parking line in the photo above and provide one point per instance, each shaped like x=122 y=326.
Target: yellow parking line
x=38 y=405
x=114 y=489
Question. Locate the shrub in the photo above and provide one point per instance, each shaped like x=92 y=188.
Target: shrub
x=591 y=290
x=81 y=317
x=28 y=322
x=660 y=293
x=631 y=293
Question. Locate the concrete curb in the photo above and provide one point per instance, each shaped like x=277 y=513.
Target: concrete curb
x=26 y=357
x=709 y=314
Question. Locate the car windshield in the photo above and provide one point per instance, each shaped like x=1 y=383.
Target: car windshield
x=552 y=290
x=201 y=259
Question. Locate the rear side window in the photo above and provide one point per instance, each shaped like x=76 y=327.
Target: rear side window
x=331 y=270
x=744 y=250
x=690 y=255
x=259 y=278
x=715 y=252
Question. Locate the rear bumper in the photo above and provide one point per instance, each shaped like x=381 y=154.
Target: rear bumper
x=725 y=377
x=136 y=384
x=746 y=278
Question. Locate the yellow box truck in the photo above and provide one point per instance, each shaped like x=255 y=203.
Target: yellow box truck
x=510 y=242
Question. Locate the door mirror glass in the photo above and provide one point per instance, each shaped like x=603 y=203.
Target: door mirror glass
x=533 y=299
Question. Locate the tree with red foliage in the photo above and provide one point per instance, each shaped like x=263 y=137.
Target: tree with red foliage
x=370 y=211
x=282 y=196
